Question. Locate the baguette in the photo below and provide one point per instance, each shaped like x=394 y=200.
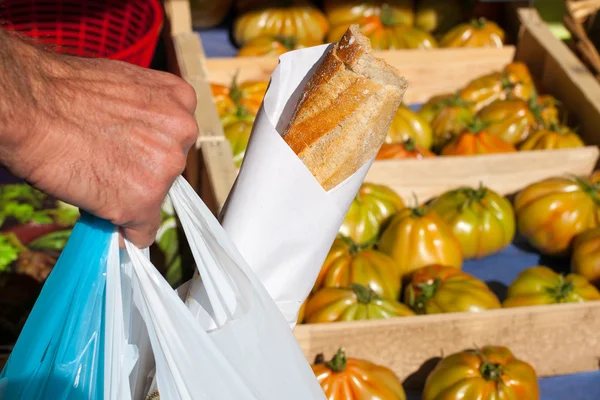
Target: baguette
x=345 y=110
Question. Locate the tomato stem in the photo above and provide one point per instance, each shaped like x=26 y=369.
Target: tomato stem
x=477 y=125
x=426 y=291
x=387 y=16
x=234 y=90
x=363 y=294
x=562 y=290
x=479 y=23
x=338 y=362
x=489 y=371
x=287 y=42
x=409 y=144
x=475 y=195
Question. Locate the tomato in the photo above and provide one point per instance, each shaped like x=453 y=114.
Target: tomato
x=406 y=149
x=437 y=289
x=351 y=379
x=489 y=373
x=351 y=304
x=540 y=285
x=238 y=134
x=546 y=109
x=550 y=213
x=510 y=120
x=298 y=19
x=386 y=34
x=514 y=81
x=418 y=237
x=348 y=263
x=271 y=46
x=438 y=16
x=557 y=137
x=347 y=12
x=248 y=95
x=408 y=124
x=585 y=259
x=372 y=207
x=481 y=219
x=476 y=140
x=478 y=33
x=448 y=116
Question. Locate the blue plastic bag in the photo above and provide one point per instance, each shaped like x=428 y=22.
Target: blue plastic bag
x=60 y=352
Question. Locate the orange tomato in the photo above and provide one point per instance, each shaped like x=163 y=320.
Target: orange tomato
x=407 y=124
x=437 y=289
x=406 y=149
x=418 y=237
x=478 y=33
x=491 y=372
x=351 y=379
x=271 y=46
x=556 y=137
x=585 y=260
x=370 y=209
x=351 y=304
x=477 y=140
x=348 y=263
x=297 y=19
x=348 y=12
x=510 y=120
x=248 y=94
x=551 y=212
x=540 y=285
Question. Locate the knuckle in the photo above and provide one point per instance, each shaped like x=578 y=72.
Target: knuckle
x=186 y=94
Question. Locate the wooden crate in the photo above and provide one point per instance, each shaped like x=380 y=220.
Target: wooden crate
x=557 y=339
x=557 y=70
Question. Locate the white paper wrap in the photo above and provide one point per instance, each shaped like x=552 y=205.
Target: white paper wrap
x=277 y=214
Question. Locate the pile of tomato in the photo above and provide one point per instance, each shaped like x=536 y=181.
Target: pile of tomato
x=263 y=28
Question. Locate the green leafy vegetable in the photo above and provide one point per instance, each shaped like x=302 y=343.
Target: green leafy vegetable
x=52 y=241
x=9 y=251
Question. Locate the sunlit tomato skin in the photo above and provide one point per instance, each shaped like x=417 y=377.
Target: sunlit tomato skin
x=585 y=260
x=351 y=304
x=448 y=116
x=489 y=373
x=510 y=120
x=407 y=124
x=477 y=33
x=474 y=143
x=348 y=263
x=296 y=19
x=438 y=16
x=547 y=109
x=517 y=81
x=271 y=46
x=385 y=35
x=482 y=220
x=437 y=289
x=400 y=151
x=248 y=95
x=540 y=285
x=352 y=379
x=418 y=237
x=370 y=209
x=343 y=13
x=558 y=137
x=550 y=213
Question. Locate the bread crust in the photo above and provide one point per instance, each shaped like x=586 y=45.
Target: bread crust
x=345 y=110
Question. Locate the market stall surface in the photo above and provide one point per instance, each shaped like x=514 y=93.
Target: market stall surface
x=497 y=270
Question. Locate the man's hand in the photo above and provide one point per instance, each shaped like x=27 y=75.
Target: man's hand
x=106 y=136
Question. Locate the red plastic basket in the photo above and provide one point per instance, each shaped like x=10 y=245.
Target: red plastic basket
x=125 y=30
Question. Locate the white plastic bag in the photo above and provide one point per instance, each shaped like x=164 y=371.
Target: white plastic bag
x=240 y=346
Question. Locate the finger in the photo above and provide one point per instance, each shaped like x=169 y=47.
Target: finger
x=143 y=234
x=121 y=239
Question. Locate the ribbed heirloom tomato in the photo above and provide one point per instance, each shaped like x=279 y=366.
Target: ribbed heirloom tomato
x=437 y=289
x=514 y=81
x=481 y=219
x=555 y=137
x=510 y=120
x=409 y=125
x=585 y=260
x=271 y=46
x=476 y=140
x=238 y=134
x=418 y=237
x=489 y=373
x=351 y=304
x=372 y=207
x=351 y=379
x=348 y=263
x=478 y=33
x=541 y=285
x=248 y=95
x=550 y=213
x=448 y=116
x=404 y=150
x=298 y=19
